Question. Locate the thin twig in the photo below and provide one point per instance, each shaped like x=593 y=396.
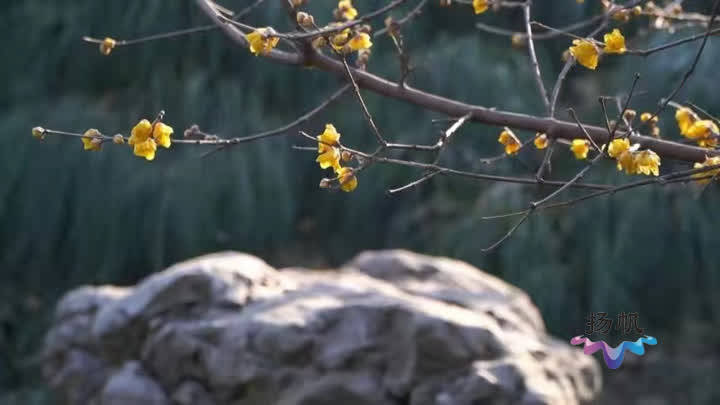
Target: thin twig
x=533 y=58
x=277 y=131
x=367 y=114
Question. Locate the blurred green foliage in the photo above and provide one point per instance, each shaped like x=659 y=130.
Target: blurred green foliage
x=69 y=218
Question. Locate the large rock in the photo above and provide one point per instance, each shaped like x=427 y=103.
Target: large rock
x=390 y=327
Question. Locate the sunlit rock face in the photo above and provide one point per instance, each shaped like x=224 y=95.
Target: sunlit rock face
x=389 y=327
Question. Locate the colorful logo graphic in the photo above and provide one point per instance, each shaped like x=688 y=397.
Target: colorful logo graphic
x=614 y=355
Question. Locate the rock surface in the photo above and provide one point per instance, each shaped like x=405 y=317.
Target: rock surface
x=390 y=327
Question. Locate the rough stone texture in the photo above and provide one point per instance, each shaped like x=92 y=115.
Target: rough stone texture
x=390 y=327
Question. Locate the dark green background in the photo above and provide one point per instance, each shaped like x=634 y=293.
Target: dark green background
x=68 y=217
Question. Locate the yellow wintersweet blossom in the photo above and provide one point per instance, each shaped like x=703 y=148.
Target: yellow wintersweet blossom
x=647 y=162
x=708 y=175
x=615 y=42
x=541 y=141
x=328 y=154
x=145 y=149
x=107 y=45
x=340 y=39
x=618 y=146
x=161 y=134
x=92 y=140
x=702 y=129
x=586 y=53
x=360 y=41
x=347 y=179
x=580 y=147
x=347 y=10
x=140 y=132
x=261 y=41
x=511 y=142
x=480 y=6
x=685 y=117
x=626 y=161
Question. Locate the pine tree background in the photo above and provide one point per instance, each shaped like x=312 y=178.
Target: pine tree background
x=69 y=217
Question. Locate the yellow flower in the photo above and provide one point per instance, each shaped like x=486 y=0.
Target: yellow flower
x=145 y=149
x=329 y=137
x=480 y=6
x=709 y=161
x=140 y=132
x=626 y=161
x=647 y=162
x=685 y=117
x=347 y=10
x=340 y=39
x=347 y=179
x=360 y=41
x=328 y=154
x=618 y=146
x=580 y=147
x=107 y=45
x=702 y=129
x=615 y=42
x=161 y=134
x=541 y=141
x=329 y=157
x=261 y=41
x=92 y=140
x=585 y=52
x=511 y=142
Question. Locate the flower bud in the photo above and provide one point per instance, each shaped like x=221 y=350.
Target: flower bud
x=346 y=156
x=118 y=139
x=39 y=132
x=325 y=183
x=305 y=20
x=92 y=133
x=517 y=40
x=107 y=45
x=630 y=115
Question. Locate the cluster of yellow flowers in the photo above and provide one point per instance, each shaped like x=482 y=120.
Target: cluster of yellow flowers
x=633 y=161
x=587 y=53
x=145 y=137
x=704 y=132
x=346 y=41
x=329 y=156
